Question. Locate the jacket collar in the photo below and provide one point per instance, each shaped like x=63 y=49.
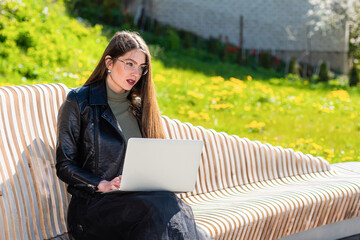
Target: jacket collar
x=98 y=94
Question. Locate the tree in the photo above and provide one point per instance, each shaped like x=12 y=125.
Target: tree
x=293 y=67
x=334 y=14
x=354 y=76
x=126 y=9
x=323 y=73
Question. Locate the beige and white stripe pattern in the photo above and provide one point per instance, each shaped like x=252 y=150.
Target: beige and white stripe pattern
x=249 y=190
x=245 y=189
x=33 y=201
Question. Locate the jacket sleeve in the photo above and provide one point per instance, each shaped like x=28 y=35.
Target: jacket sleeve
x=68 y=167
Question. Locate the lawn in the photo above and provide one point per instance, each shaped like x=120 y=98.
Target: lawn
x=322 y=122
x=40 y=43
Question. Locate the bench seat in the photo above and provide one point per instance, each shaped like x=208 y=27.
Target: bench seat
x=244 y=190
x=274 y=209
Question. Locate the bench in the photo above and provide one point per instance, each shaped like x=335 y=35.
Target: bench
x=245 y=189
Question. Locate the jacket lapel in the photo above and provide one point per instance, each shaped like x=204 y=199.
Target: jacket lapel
x=98 y=97
x=109 y=116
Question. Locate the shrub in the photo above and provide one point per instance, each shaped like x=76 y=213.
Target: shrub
x=156 y=51
x=323 y=73
x=106 y=12
x=353 y=76
x=265 y=60
x=293 y=67
x=215 y=46
x=250 y=58
x=230 y=57
x=278 y=64
x=187 y=41
x=24 y=40
x=159 y=29
x=50 y=47
x=201 y=43
x=2 y=38
x=148 y=24
x=172 y=40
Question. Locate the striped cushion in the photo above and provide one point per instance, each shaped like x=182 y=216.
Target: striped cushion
x=245 y=189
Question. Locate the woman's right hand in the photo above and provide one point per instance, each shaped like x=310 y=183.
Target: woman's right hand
x=105 y=186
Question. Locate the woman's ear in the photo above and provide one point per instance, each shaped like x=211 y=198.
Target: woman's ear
x=108 y=62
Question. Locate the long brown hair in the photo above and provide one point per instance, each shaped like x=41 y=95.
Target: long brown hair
x=142 y=95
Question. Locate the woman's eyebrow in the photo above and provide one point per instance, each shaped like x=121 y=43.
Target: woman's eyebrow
x=130 y=59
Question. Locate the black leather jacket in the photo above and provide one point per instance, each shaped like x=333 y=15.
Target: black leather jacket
x=90 y=146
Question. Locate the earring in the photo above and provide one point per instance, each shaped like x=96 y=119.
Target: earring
x=109 y=71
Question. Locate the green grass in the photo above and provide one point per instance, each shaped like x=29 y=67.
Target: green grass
x=320 y=121
x=40 y=43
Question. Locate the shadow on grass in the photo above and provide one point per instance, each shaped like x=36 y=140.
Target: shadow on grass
x=181 y=59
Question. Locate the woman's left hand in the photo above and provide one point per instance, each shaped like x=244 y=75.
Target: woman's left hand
x=105 y=186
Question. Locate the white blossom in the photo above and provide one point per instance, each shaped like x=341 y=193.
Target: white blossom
x=330 y=14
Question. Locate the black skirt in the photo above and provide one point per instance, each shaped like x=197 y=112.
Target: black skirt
x=132 y=215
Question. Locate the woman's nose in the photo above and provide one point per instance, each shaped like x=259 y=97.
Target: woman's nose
x=137 y=72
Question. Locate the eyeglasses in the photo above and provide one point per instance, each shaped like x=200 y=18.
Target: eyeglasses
x=129 y=66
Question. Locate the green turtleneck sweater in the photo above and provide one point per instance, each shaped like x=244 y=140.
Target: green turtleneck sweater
x=120 y=106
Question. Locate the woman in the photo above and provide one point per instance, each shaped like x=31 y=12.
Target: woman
x=116 y=103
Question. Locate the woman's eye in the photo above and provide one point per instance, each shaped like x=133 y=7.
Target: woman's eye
x=142 y=68
x=130 y=64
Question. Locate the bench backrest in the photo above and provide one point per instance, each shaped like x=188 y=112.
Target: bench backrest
x=230 y=161
x=33 y=201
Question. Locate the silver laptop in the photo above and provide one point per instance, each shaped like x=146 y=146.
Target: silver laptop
x=161 y=165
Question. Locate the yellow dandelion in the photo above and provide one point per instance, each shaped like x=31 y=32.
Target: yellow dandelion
x=247 y=108
x=5 y=84
x=192 y=114
x=204 y=116
x=217 y=79
x=341 y=94
x=80 y=82
x=344 y=159
x=181 y=110
x=329 y=151
x=222 y=106
x=255 y=126
x=238 y=82
x=195 y=94
x=159 y=78
x=317 y=146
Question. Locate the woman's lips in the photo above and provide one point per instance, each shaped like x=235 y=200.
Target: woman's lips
x=130 y=81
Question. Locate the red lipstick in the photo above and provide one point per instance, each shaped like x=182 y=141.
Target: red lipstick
x=130 y=82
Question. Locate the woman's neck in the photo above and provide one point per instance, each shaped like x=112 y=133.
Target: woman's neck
x=114 y=96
